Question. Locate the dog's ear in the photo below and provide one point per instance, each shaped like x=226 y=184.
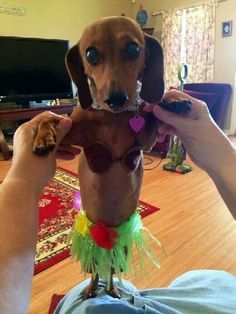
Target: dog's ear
x=75 y=68
x=153 y=76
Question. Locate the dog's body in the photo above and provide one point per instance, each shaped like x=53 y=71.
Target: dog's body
x=110 y=196
x=114 y=54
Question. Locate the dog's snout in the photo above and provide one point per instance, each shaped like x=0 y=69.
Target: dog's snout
x=116 y=100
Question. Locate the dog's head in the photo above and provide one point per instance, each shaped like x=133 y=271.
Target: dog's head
x=114 y=54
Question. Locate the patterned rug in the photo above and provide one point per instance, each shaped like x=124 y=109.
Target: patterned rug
x=56 y=215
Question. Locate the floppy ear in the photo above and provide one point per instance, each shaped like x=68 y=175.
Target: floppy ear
x=153 y=76
x=75 y=68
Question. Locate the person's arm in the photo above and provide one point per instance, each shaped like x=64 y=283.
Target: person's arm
x=19 y=195
x=206 y=144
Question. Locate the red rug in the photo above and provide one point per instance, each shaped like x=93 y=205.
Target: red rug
x=56 y=215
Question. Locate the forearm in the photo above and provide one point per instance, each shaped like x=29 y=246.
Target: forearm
x=224 y=177
x=18 y=231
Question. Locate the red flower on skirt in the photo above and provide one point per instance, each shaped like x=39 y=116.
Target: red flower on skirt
x=103 y=236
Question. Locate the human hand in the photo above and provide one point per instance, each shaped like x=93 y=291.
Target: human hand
x=202 y=138
x=33 y=170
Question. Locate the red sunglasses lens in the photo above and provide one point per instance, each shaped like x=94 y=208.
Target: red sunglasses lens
x=99 y=157
x=132 y=159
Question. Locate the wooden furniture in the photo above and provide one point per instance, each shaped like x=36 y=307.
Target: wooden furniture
x=216 y=95
x=25 y=114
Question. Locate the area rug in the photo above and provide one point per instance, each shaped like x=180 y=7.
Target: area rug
x=56 y=216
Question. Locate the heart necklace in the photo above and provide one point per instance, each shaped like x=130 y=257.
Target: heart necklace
x=137 y=123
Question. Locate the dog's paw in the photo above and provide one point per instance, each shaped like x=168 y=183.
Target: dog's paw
x=45 y=139
x=43 y=147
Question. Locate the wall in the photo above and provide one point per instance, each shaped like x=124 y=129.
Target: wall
x=61 y=19
x=225 y=55
x=225 y=48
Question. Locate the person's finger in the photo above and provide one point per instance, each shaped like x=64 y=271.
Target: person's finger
x=30 y=127
x=63 y=128
x=64 y=155
x=69 y=150
x=168 y=117
x=37 y=119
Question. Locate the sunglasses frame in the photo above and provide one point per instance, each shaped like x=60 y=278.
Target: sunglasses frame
x=112 y=158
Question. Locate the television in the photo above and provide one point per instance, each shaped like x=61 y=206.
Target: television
x=33 y=69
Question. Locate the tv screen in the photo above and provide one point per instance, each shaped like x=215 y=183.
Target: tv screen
x=33 y=69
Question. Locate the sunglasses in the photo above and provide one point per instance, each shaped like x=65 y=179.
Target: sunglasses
x=100 y=158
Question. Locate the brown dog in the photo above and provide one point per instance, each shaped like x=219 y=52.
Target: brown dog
x=111 y=58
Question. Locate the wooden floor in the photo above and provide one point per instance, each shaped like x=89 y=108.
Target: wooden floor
x=194 y=225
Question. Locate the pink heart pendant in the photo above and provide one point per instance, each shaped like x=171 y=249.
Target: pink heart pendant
x=137 y=123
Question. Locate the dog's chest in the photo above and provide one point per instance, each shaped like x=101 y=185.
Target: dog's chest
x=119 y=138
x=112 y=130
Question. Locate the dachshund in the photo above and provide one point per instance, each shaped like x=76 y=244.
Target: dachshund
x=115 y=66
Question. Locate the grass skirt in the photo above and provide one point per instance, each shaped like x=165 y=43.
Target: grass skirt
x=117 y=257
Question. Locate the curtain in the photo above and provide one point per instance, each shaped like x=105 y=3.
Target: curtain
x=200 y=42
x=171 y=43
x=189 y=36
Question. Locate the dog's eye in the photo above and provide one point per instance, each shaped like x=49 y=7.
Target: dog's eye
x=132 y=50
x=93 y=56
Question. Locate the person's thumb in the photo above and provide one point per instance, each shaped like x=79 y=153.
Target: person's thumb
x=62 y=129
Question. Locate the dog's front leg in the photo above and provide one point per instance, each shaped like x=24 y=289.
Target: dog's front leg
x=148 y=136
x=45 y=139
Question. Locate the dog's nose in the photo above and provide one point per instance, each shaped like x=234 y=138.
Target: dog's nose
x=116 y=100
